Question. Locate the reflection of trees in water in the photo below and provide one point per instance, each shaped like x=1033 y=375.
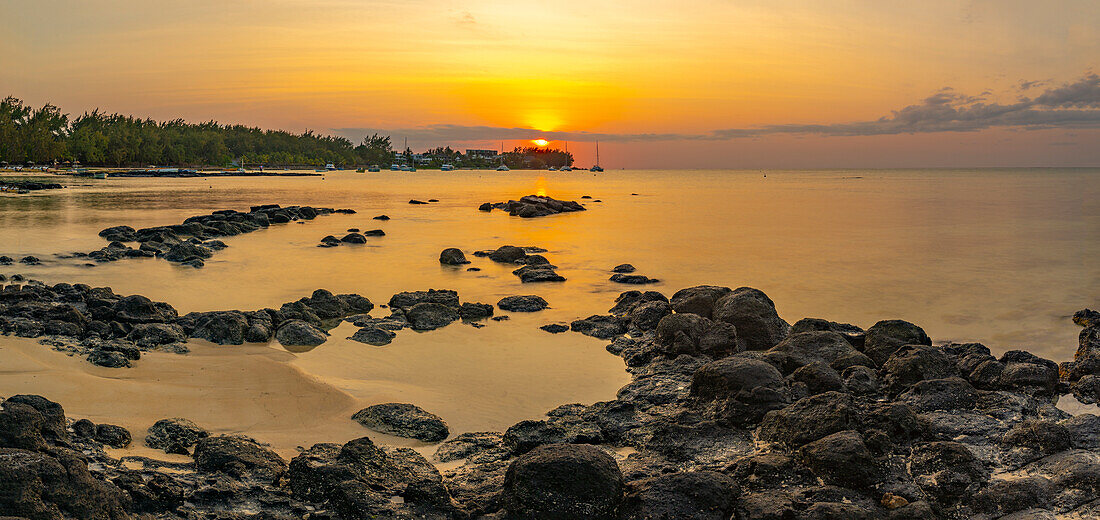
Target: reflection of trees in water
x=18 y=209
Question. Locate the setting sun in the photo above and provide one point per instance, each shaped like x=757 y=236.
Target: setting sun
x=540 y=142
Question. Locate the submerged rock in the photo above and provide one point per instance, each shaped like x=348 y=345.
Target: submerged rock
x=373 y=336
x=529 y=303
x=403 y=420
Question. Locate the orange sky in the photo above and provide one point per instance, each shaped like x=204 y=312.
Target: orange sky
x=641 y=76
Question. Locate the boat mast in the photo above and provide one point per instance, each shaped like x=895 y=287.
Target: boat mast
x=597 y=153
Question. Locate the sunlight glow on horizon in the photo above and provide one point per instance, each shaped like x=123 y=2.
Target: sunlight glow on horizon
x=569 y=67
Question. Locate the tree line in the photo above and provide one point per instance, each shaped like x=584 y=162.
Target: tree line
x=47 y=136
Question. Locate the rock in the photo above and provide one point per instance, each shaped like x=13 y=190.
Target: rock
x=381 y=217
x=759 y=327
x=113 y=436
x=475 y=311
x=354 y=238
x=528 y=303
x=44 y=420
x=852 y=333
x=174 y=435
x=238 y=457
x=648 y=315
x=30 y=260
x=109 y=359
x=627 y=301
x=57 y=485
x=139 y=309
x=374 y=233
x=1042 y=436
x=452 y=256
x=810 y=419
x=693 y=495
x=119 y=233
x=733 y=376
x=467 y=445
x=415 y=201
x=1002 y=497
x=186 y=251
x=555 y=328
x=602 y=327
x=885 y=337
x=507 y=254
x=298 y=333
x=687 y=333
x=818 y=378
x=563 y=481
x=406 y=300
x=488 y=206
x=947 y=470
x=825 y=347
x=633 y=279
x=155 y=334
x=329 y=241
x=913 y=363
x=84 y=428
x=1086 y=317
x=841 y=459
x=403 y=420
x=538 y=273
x=373 y=336
x=221 y=327
x=952 y=393
x=430 y=316
x=623 y=268
x=698 y=300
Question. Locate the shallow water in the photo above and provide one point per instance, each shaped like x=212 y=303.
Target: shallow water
x=998 y=256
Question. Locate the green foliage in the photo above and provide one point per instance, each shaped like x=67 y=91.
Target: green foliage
x=45 y=135
x=537 y=158
x=375 y=149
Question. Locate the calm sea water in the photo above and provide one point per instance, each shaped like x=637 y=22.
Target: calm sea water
x=1003 y=257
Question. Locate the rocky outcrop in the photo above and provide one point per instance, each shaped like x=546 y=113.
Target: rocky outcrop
x=728 y=414
x=194 y=240
x=532 y=206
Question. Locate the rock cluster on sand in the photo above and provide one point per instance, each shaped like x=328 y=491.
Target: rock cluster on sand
x=194 y=241
x=113 y=330
x=533 y=206
x=731 y=413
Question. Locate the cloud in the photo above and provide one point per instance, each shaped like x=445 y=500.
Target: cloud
x=1071 y=105
x=1028 y=85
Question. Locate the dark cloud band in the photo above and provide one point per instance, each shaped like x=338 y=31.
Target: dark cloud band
x=1072 y=105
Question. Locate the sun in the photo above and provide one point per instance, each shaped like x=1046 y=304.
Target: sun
x=540 y=142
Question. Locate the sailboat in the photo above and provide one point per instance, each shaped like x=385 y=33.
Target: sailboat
x=567 y=167
x=597 y=167
x=503 y=167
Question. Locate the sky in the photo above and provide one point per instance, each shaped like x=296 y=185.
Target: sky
x=660 y=84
